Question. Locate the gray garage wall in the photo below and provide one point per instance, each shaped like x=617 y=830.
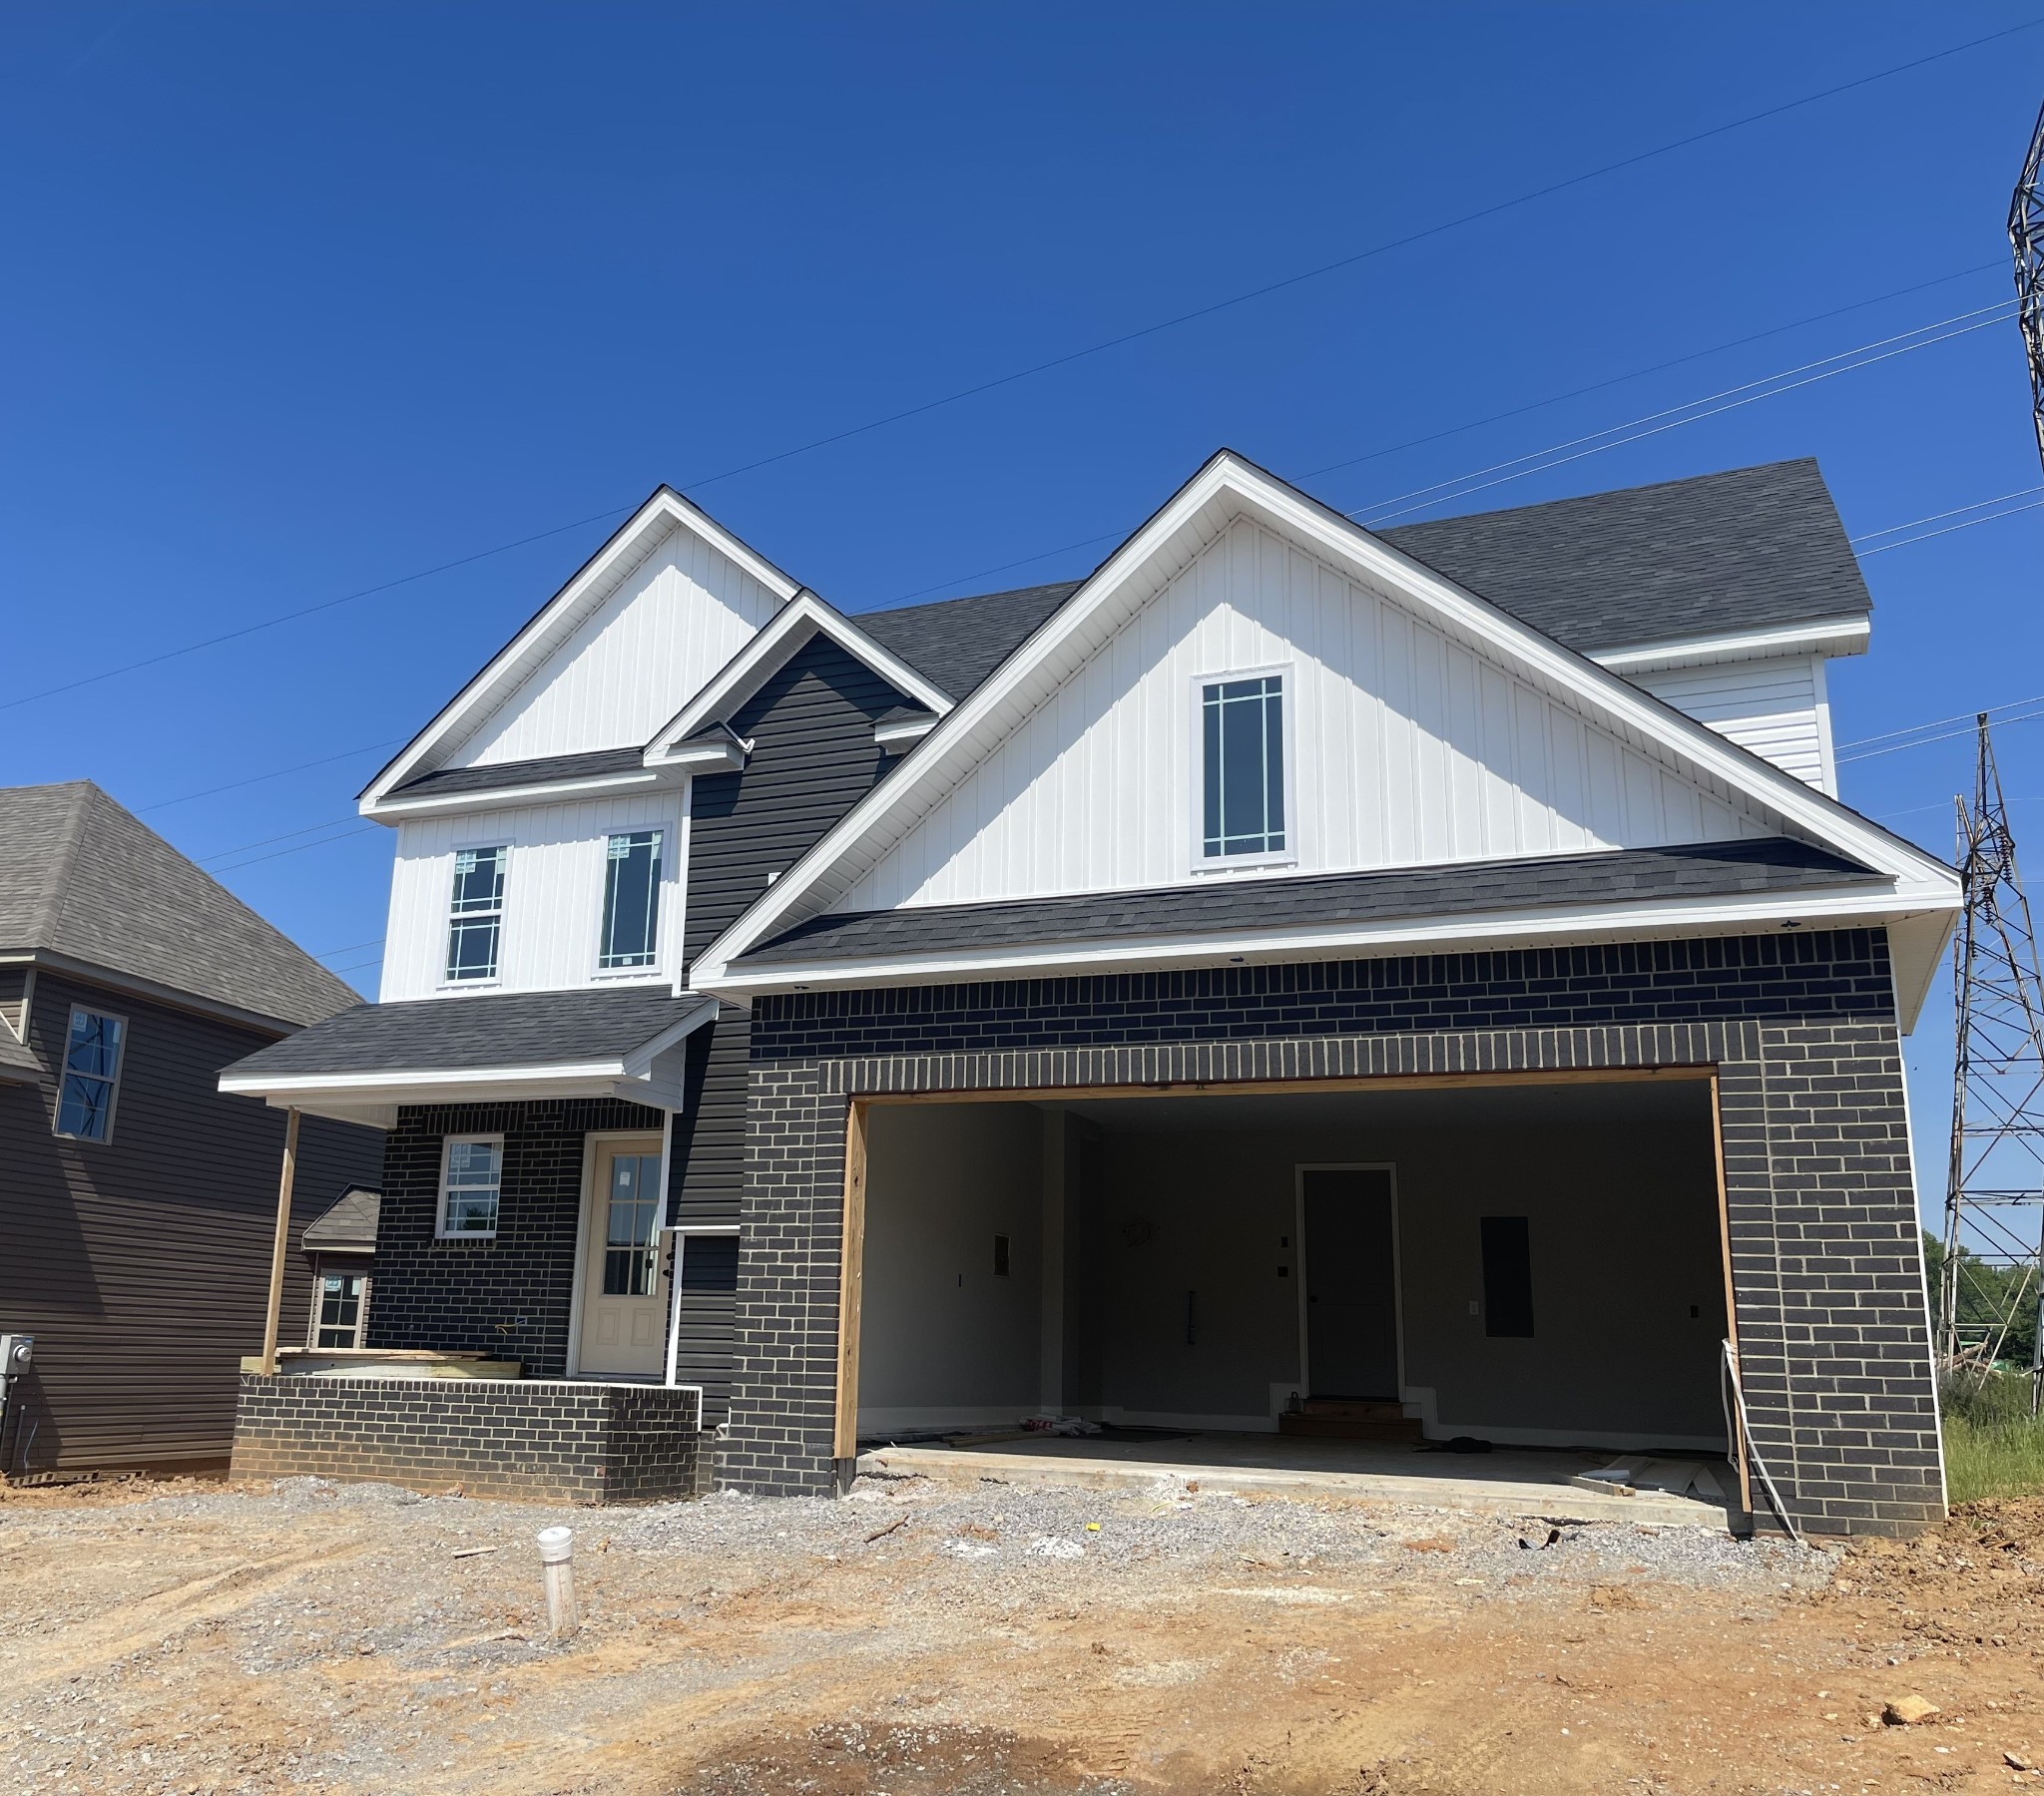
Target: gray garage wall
x=1625 y=1242
x=943 y=1342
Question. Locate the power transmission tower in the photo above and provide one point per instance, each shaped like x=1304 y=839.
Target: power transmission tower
x=2026 y=239
x=1994 y=1201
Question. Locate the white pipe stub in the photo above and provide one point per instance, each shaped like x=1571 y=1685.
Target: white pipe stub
x=556 y=1545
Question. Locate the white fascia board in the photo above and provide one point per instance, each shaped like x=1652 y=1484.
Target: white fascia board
x=1836 y=637
x=397 y=811
x=903 y=729
x=664 y=508
x=724 y=756
x=639 y=1063
x=789 y=628
x=1548 y=926
x=1343 y=542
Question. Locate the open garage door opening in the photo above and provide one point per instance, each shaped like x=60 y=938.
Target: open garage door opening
x=1340 y=1279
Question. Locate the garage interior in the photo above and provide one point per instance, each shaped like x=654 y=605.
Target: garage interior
x=1305 y=1277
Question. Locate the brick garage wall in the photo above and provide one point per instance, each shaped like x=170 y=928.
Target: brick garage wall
x=509 y=1297
x=543 y=1440
x=1827 y=1263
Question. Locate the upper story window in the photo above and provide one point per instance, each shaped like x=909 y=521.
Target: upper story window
x=471 y=1180
x=631 y=900
x=1241 y=752
x=92 y=1075
x=476 y=921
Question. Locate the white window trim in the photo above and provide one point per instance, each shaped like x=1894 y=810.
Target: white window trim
x=671 y=867
x=320 y=1275
x=1219 y=866
x=496 y=980
x=441 y=1233
x=64 y=1073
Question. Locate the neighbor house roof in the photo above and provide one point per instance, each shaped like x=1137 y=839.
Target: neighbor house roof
x=86 y=882
x=485 y=1030
x=348 y=1226
x=1704 y=870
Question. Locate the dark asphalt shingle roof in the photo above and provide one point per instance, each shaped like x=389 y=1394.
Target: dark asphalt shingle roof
x=1706 y=869
x=505 y=774
x=347 y=1223
x=957 y=642
x=84 y=878
x=1712 y=555
x=17 y=1064
x=480 y=1030
x=1749 y=549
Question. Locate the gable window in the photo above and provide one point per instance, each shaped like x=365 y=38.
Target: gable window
x=471 y=1179
x=476 y=918
x=1241 y=754
x=631 y=900
x=92 y=1075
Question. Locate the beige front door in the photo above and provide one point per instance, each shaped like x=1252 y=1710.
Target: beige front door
x=624 y=1284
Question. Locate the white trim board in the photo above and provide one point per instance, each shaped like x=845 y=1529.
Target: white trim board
x=1228 y=487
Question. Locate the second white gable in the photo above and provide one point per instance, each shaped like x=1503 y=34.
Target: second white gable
x=1408 y=747
x=630 y=658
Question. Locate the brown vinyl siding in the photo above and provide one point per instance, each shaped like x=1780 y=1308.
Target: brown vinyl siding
x=141 y=1265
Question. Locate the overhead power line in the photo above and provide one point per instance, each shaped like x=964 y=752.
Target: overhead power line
x=1388 y=246
x=234 y=786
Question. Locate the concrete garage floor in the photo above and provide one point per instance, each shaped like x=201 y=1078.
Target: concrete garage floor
x=1509 y=1480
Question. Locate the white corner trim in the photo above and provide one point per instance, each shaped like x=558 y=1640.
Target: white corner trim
x=1840 y=636
x=495 y=797
x=903 y=729
x=1345 y=544
x=802 y=617
x=664 y=508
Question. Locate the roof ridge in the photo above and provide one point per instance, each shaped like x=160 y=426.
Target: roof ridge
x=66 y=857
x=1645 y=486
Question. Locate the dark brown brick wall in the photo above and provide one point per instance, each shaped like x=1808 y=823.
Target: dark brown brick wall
x=1822 y=1205
x=530 y=1439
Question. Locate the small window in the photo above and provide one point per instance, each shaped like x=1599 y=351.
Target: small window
x=1507 y=1276
x=631 y=900
x=471 y=1179
x=1242 y=752
x=92 y=1074
x=477 y=920
x=632 y=1217
x=339 y=1300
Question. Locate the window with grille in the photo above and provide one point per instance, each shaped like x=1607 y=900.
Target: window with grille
x=1241 y=752
x=632 y=1217
x=476 y=919
x=471 y=1182
x=92 y=1075
x=340 y=1322
x=631 y=900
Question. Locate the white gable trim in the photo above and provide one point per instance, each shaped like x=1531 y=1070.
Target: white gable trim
x=1842 y=636
x=1238 y=486
x=793 y=626
x=665 y=510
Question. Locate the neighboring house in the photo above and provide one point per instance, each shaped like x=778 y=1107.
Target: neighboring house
x=1296 y=965
x=340 y=1248
x=138 y=1202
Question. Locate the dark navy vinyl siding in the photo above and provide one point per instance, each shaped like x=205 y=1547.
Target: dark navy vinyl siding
x=814 y=757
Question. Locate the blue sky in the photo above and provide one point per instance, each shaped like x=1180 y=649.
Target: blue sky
x=302 y=301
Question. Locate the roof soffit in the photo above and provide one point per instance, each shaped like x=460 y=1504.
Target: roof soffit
x=1228 y=487
x=521 y=659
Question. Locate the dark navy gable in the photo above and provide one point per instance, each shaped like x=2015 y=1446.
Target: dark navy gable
x=814 y=757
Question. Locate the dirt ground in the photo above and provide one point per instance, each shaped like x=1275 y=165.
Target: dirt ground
x=922 y=1642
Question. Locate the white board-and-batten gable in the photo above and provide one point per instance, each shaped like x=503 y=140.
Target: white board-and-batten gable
x=1426 y=727
x=663 y=605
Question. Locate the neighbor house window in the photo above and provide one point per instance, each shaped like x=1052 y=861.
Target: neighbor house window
x=338 y=1301
x=476 y=921
x=471 y=1179
x=91 y=1072
x=631 y=900
x=1241 y=752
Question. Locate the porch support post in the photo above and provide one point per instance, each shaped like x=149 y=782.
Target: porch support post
x=281 y=1245
x=850 y=1276
x=1741 y=1460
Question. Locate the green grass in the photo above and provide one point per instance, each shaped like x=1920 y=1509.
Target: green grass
x=1993 y=1446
